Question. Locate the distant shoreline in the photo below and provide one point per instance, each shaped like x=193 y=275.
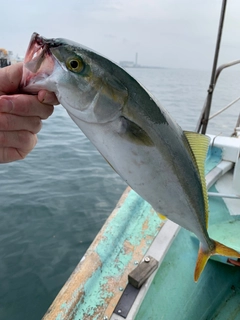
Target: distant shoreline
x=143 y=67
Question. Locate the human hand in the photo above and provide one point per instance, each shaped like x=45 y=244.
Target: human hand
x=21 y=115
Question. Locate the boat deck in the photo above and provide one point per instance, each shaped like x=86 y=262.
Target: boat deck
x=215 y=296
x=134 y=231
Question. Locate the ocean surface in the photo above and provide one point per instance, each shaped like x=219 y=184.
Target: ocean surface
x=53 y=203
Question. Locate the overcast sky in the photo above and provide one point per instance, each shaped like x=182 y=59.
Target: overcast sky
x=168 y=33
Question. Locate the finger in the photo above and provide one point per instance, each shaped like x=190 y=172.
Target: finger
x=25 y=105
x=16 y=145
x=11 y=122
x=10 y=78
x=47 y=97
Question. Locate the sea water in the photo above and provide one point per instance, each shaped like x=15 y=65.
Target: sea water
x=53 y=203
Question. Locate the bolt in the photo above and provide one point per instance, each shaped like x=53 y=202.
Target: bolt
x=147 y=259
x=105 y=318
x=120 y=289
x=136 y=262
x=119 y=311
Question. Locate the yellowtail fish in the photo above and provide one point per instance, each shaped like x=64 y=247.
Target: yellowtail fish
x=137 y=137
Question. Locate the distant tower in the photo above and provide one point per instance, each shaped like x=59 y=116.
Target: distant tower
x=136 y=59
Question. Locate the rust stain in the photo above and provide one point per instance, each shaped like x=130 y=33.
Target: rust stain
x=64 y=306
x=145 y=225
x=73 y=289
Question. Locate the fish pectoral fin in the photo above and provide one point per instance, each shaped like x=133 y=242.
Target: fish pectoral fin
x=198 y=150
x=133 y=132
x=203 y=256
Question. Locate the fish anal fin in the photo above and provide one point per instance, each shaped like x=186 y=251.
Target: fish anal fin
x=198 y=150
x=161 y=216
x=204 y=255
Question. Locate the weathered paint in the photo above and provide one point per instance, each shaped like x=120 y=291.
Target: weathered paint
x=92 y=291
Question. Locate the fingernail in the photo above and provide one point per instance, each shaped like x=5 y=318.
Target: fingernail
x=41 y=96
x=6 y=105
x=47 y=98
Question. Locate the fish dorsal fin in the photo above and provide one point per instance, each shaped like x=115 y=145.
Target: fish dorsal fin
x=199 y=146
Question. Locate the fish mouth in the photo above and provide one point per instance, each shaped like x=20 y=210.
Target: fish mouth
x=38 y=62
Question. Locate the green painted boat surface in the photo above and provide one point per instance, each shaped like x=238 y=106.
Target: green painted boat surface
x=98 y=281
x=96 y=285
x=174 y=295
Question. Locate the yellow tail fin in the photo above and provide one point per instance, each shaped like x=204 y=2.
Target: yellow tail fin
x=203 y=256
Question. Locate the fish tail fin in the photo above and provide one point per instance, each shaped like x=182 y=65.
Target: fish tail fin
x=202 y=260
x=204 y=255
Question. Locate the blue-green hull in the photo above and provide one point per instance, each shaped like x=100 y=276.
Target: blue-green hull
x=174 y=295
x=134 y=231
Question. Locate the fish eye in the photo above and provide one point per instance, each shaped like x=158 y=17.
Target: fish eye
x=75 y=64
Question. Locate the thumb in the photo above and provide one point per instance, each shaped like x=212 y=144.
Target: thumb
x=47 y=97
x=10 y=78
